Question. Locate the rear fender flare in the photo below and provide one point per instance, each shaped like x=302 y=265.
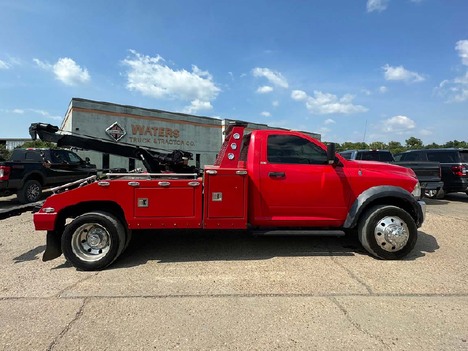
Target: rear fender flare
x=35 y=176
x=384 y=194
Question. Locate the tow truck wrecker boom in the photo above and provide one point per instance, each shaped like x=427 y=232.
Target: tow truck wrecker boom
x=155 y=160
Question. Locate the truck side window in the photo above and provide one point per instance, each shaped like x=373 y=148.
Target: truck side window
x=408 y=156
x=33 y=156
x=442 y=157
x=347 y=154
x=74 y=158
x=294 y=150
x=56 y=156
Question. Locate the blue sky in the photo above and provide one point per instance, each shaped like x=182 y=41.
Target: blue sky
x=352 y=70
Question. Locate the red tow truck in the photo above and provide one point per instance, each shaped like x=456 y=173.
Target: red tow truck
x=272 y=181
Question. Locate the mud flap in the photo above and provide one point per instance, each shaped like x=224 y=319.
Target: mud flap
x=53 y=248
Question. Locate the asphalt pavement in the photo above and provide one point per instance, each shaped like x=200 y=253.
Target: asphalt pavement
x=232 y=291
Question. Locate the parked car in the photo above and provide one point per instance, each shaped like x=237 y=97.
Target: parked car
x=30 y=170
x=368 y=155
x=453 y=162
x=428 y=173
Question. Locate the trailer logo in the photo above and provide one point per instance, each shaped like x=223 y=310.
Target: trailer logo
x=116 y=132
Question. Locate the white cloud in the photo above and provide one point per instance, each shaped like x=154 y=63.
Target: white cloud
x=383 y=89
x=9 y=63
x=198 y=105
x=45 y=114
x=4 y=65
x=456 y=90
x=66 y=70
x=275 y=103
x=31 y=112
x=329 y=121
x=326 y=103
x=265 y=89
x=398 y=124
x=377 y=5
x=152 y=77
x=265 y=114
x=401 y=73
x=273 y=77
x=462 y=48
x=299 y=95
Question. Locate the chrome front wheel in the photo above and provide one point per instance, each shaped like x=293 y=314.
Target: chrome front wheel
x=91 y=242
x=391 y=233
x=387 y=232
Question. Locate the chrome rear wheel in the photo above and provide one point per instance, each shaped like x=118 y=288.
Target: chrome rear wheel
x=93 y=240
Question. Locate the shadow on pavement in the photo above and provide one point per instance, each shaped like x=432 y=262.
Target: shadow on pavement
x=235 y=246
x=184 y=246
x=455 y=197
x=31 y=255
x=426 y=244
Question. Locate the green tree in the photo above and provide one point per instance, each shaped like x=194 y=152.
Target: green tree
x=39 y=144
x=414 y=143
x=456 y=144
x=353 y=146
x=4 y=153
x=378 y=145
x=395 y=147
x=432 y=146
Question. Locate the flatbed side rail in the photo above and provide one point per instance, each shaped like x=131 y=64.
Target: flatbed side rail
x=153 y=175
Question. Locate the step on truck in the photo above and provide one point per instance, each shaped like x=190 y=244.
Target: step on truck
x=269 y=181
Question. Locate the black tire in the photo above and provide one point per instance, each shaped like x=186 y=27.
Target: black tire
x=30 y=192
x=128 y=238
x=387 y=232
x=93 y=241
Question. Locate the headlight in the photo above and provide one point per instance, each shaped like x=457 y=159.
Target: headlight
x=417 y=191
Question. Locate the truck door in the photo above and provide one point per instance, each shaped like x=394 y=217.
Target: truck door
x=65 y=167
x=297 y=185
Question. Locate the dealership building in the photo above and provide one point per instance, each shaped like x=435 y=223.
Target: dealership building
x=202 y=136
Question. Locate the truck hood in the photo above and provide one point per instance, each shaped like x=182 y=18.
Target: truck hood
x=385 y=167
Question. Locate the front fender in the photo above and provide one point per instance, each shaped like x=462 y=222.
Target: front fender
x=384 y=195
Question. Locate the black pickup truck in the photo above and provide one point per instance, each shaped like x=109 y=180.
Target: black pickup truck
x=428 y=173
x=30 y=170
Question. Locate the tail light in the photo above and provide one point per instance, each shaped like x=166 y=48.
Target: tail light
x=459 y=170
x=4 y=172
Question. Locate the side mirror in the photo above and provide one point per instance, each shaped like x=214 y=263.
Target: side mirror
x=87 y=160
x=331 y=153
